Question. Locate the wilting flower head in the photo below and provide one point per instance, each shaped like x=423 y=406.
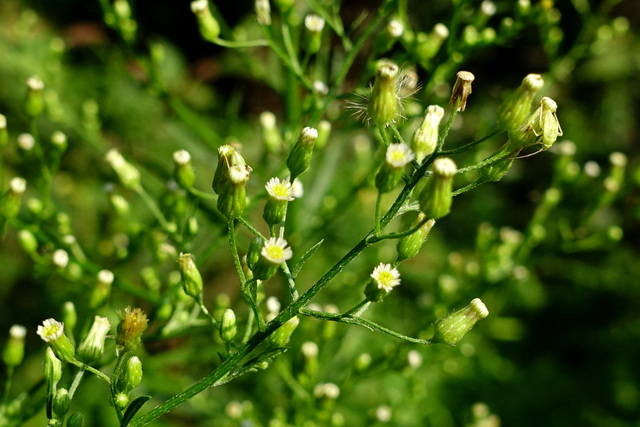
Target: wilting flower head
x=461 y=89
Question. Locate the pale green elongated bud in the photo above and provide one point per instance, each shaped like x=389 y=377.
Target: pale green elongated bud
x=131 y=375
x=542 y=127
x=280 y=193
x=253 y=253
x=313 y=35
x=52 y=332
x=227 y=157
x=130 y=329
x=383 y=279
x=13 y=352
x=515 y=109
x=396 y=158
x=425 y=137
x=26 y=143
x=233 y=198
x=208 y=25
x=4 y=135
x=10 y=205
x=461 y=89
x=76 y=420
x=496 y=170
x=300 y=156
x=61 y=402
x=59 y=141
x=263 y=12
x=69 y=317
x=386 y=39
x=428 y=45
x=274 y=253
x=410 y=245
x=270 y=133
x=452 y=328
x=52 y=367
x=102 y=289
x=435 y=199
x=183 y=172
x=324 y=130
x=614 y=181
x=92 y=347
x=228 y=327
x=127 y=173
x=383 y=103
x=28 y=242
x=282 y=335
x=119 y=204
x=34 y=104
x=191 y=278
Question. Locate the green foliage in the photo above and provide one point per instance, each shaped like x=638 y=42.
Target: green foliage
x=119 y=225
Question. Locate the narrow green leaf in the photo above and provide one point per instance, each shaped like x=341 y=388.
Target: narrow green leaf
x=305 y=258
x=133 y=409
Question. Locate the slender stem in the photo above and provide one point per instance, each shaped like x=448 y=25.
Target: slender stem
x=356 y=308
x=398 y=235
x=383 y=135
x=155 y=210
x=250 y=227
x=234 y=249
x=7 y=386
x=239 y=44
x=466 y=147
x=468 y=187
x=378 y=208
x=491 y=159
x=208 y=315
x=202 y=194
x=249 y=329
x=396 y=133
x=76 y=383
x=293 y=291
x=91 y=369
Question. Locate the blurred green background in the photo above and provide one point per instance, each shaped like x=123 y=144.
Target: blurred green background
x=562 y=343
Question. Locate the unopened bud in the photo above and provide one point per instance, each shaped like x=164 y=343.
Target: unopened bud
x=61 y=402
x=13 y=352
x=102 y=289
x=436 y=197
x=516 y=107
x=270 y=134
x=183 y=172
x=542 y=127
x=282 y=335
x=69 y=317
x=314 y=25
x=425 y=137
x=127 y=173
x=207 y=24
x=191 y=278
x=34 y=104
x=383 y=103
x=52 y=367
x=263 y=12
x=76 y=420
x=300 y=156
x=4 y=135
x=410 y=245
x=59 y=141
x=452 y=328
x=131 y=375
x=92 y=347
x=228 y=327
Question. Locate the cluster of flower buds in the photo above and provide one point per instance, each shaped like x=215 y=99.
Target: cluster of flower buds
x=230 y=180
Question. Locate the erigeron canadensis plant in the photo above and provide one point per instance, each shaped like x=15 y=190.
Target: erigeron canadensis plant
x=155 y=265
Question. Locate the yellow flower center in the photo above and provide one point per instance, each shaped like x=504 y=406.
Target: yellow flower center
x=275 y=252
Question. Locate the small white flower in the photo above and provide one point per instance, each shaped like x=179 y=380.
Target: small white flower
x=618 y=159
x=383 y=413
x=268 y=119
x=320 y=87
x=297 y=190
x=280 y=190
x=441 y=30
x=488 y=8
x=114 y=158
x=592 y=169
x=445 y=167
x=314 y=23
x=26 y=141
x=50 y=330
x=414 y=358
x=332 y=391
x=395 y=28
x=3 y=121
x=386 y=277
x=17 y=332
x=309 y=349
x=273 y=305
x=399 y=155
x=35 y=83
x=276 y=250
x=105 y=277
x=58 y=138
x=61 y=258
x=17 y=185
x=308 y=136
x=199 y=6
x=181 y=157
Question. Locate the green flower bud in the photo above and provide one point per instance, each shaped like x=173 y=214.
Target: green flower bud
x=28 y=241
x=516 y=107
x=300 y=156
x=13 y=352
x=263 y=12
x=131 y=375
x=386 y=39
x=461 y=89
x=183 y=173
x=227 y=157
x=452 y=328
x=280 y=193
x=59 y=141
x=232 y=200
x=274 y=253
x=208 y=25
x=383 y=279
x=425 y=137
x=313 y=34
x=435 y=199
x=52 y=332
x=10 y=203
x=270 y=134
x=427 y=46
x=61 y=402
x=324 y=130
x=102 y=289
x=253 y=253
x=228 y=327
x=34 y=104
x=127 y=173
x=396 y=158
x=120 y=401
x=383 y=103
x=69 y=317
x=133 y=324
x=191 y=278
x=4 y=135
x=410 y=245
x=76 y=420
x=52 y=367
x=282 y=335
x=92 y=347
